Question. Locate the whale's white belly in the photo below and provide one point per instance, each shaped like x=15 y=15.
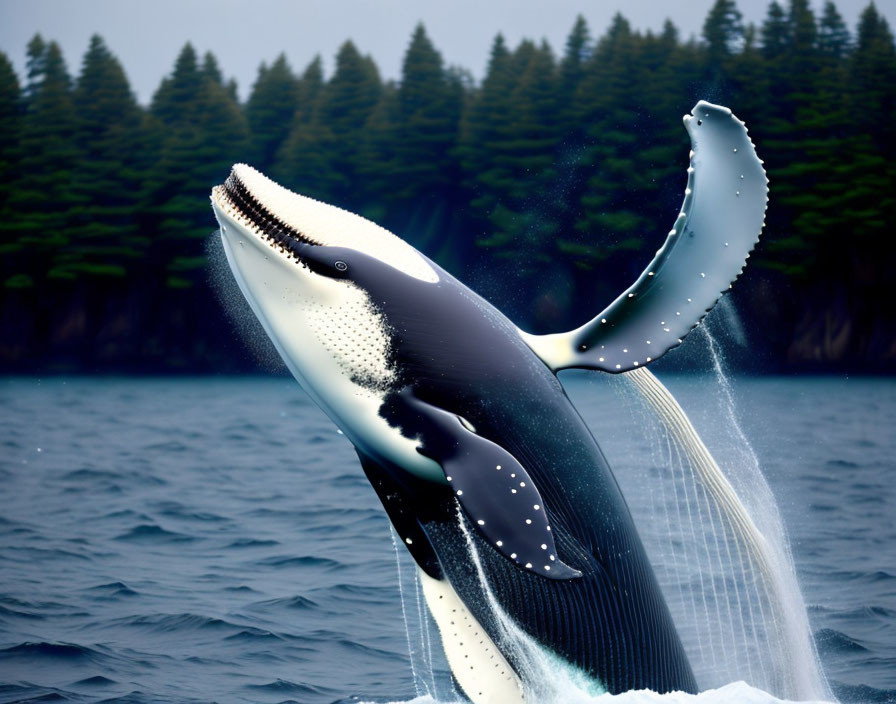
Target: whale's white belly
x=482 y=672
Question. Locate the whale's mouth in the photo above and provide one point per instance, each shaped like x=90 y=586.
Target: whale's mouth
x=291 y=223
x=236 y=200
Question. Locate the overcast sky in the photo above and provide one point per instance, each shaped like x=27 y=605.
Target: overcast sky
x=146 y=35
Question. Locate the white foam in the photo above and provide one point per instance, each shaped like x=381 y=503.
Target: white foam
x=733 y=693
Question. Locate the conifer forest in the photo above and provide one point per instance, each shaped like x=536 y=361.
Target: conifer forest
x=547 y=186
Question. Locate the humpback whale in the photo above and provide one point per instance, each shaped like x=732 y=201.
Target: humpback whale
x=484 y=467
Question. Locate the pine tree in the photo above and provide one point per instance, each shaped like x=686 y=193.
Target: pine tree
x=201 y=132
x=870 y=195
x=483 y=122
x=520 y=179
x=578 y=51
x=613 y=83
x=103 y=231
x=350 y=95
x=294 y=162
x=310 y=84
x=44 y=196
x=424 y=130
x=35 y=65
x=211 y=69
x=10 y=129
x=11 y=122
x=270 y=110
x=872 y=76
x=722 y=31
x=774 y=31
x=321 y=158
x=833 y=35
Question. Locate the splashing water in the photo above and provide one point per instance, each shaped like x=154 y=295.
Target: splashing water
x=429 y=671
x=729 y=547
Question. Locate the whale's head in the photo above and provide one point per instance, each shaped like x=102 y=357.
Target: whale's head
x=294 y=259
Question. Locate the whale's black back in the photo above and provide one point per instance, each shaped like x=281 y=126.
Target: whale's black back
x=459 y=353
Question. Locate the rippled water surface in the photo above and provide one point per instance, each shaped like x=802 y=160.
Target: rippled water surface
x=215 y=540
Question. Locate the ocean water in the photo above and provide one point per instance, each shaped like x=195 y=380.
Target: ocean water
x=178 y=540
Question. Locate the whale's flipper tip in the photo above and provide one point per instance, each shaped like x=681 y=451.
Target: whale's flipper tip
x=720 y=221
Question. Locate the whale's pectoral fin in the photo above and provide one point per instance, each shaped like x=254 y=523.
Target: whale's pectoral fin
x=494 y=490
x=719 y=224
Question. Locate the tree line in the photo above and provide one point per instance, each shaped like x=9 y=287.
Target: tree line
x=547 y=185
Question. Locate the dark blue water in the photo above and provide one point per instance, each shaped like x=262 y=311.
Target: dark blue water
x=215 y=540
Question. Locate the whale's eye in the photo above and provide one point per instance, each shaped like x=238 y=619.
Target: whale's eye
x=340 y=266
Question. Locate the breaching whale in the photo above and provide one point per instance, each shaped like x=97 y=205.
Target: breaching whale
x=461 y=425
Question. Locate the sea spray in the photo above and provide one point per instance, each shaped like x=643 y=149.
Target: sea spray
x=768 y=518
x=429 y=671
x=419 y=684
x=767 y=611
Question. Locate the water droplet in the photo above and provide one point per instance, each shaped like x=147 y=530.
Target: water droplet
x=498 y=467
x=409 y=541
x=513 y=555
x=481 y=522
x=600 y=359
x=460 y=492
x=536 y=507
x=529 y=565
x=702 y=275
x=603 y=320
x=528 y=521
x=500 y=543
x=448 y=478
x=544 y=547
x=735 y=151
x=619 y=366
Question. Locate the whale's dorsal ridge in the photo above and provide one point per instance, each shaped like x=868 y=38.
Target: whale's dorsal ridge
x=721 y=218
